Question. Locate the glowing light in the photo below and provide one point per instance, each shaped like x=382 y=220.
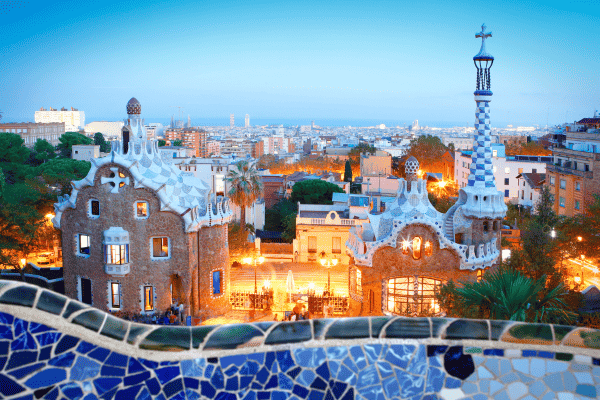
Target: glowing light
x=442 y=184
x=579 y=238
x=577 y=279
x=323 y=261
x=261 y=260
x=334 y=261
x=247 y=260
x=23 y=261
x=49 y=216
x=311 y=286
x=553 y=233
x=267 y=283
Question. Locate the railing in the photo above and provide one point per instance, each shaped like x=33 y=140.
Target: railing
x=338 y=304
x=244 y=300
x=328 y=221
x=569 y=171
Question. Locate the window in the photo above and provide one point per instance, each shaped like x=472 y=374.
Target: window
x=522 y=194
x=416 y=247
x=148 y=298
x=552 y=180
x=479 y=275
x=94 y=208
x=506 y=181
x=336 y=245
x=115 y=294
x=160 y=247
x=216 y=282
x=428 y=248
x=83 y=244
x=530 y=196
x=486 y=226
x=427 y=289
x=312 y=244
x=400 y=295
x=563 y=184
x=506 y=193
x=534 y=171
x=574 y=164
x=577 y=204
x=141 y=209
x=116 y=254
x=586 y=167
x=578 y=186
x=405 y=247
x=507 y=170
x=561 y=201
x=495 y=153
x=86 y=290
x=495 y=225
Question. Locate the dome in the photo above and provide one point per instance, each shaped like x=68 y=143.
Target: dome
x=134 y=107
x=411 y=166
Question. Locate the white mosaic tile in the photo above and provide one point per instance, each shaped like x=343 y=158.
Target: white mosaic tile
x=451 y=394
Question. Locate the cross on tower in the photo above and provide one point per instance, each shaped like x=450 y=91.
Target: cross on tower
x=483 y=35
x=116 y=180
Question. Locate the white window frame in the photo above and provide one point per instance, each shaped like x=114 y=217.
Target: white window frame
x=562 y=202
x=143 y=299
x=135 y=209
x=78 y=238
x=160 y=258
x=552 y=181
x=563 y=184
x=90 y=215
x=222 y=283
x=110 y=295
x=578 y=186
x=108 y=254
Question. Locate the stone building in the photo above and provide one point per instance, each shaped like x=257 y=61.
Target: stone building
x=139 y=234
x=401 y=256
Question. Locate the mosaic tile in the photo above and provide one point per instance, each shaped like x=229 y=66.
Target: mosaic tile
x=114 y=328
x=528 y=333
x=92 y=319
x=309 y=358
x=290 y=332
x=408 y=328
x=233 y=337
x=20 y=296
x=458 y=364
x=47 y=377
x=167 y=338
x=320 y=327
x=73 y=307
x=51 y=302
x=136 y=331
x=467 y=329
x=348 y=328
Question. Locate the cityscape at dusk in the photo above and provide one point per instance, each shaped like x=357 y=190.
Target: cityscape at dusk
x=299 y=201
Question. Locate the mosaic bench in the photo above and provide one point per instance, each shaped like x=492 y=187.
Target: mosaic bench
x=53 y=347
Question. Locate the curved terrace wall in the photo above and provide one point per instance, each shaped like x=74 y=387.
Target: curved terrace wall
x=54 y=347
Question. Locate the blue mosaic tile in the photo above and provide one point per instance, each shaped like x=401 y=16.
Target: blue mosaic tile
x=359 y=357
x=47 y=377
x=493 y=352
x=134 y=366
x=458 y=364
x=529 y=353
x=20 y=358
x=207 y=389
x=6 y=332
x=166 y=374
x=72 y=391
x=309 y=358
x=435 y=379
x=99 y=354
x=400 y=355
x=410 y=385
x=34 y=327
x=104 y=385
x=63 y=360
x=368 y=377
x=23 y=342
x=45 y=353
x=66 y=343
x=117 y=360
x=175 y=386
x=128 y=394
x=22 y=372
x=153 y=386
x=47 y=338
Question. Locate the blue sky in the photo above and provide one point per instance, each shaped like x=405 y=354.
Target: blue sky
x=376 y=60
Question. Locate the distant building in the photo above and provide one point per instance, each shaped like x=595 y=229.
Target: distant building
x=231 y=121
x=460 y=143
x=375 y=164
x=213 y=147
x=110 y=129
x=85 y=152
x=192 y=138
x=509 y=140
x=247 y=122
x=74 y=119
x=530 y=187
x=31 y=132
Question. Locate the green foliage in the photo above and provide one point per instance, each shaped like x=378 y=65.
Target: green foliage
x=238 y=242
x=12 y=149
x=43 y=151
x=69 y=139
x=362 y=148
x=314 y=191
x=428 y=150
x=510 y=295
x=161 y=143
x=347 y=172
x=100 y=141
x=60 y=172
x=177 y=143
x=442 y=203
x=282 y=218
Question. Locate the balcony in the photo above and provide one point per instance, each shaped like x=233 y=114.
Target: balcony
x=328 y=221
x=117 y=269
x=575 y=155
x=569 y=171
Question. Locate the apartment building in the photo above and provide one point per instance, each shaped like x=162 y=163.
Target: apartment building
x=192 y=138
x=31 y=132
x=530 y=188
x=73 y=118
x=574 y=175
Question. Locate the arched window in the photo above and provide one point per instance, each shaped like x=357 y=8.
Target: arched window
x=428 y=248
x=405 y=247
x=416 y=247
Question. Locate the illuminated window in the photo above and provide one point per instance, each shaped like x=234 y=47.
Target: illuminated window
x=336 y=245
x=405 y=247
x=416 y=247
x=552 y=180
x=115 y=294
x=427 y=288
x=428 y=249
x=400 y=295
x=141 y=209
x=148 y=298
x=160 y=247
x=116 y=253
x=406 y=295
x=479 y=275
x=358 y=282
x=83 y=244
x=216 y=282
x=507 y=170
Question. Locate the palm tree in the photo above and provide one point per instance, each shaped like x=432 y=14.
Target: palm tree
x=245 y=187
x=508 y=294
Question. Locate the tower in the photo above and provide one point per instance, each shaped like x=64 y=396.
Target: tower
x=231 y=121
x=247 y=122
x=189 y=124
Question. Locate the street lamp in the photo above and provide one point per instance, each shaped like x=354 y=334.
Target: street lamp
x=254 y=261
x=328 y=263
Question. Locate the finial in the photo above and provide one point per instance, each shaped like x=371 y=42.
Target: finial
x=411 y=169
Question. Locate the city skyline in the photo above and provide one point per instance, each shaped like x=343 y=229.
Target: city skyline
x=377 y=62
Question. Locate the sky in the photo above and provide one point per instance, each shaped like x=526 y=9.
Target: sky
x=348 y=61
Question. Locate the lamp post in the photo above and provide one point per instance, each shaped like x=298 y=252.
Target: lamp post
x=328 y=263
x=250 y=261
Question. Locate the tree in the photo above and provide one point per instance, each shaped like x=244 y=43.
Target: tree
x=362 y=148
x=161 y=143
x=58 y=173
x=314 y=191
x=508 y=294
x=68 y=140
x=245 y=187
x=347 y=172
x=529 y=148
x=13 y=155
x=43 y=151
x=177 y=143
x=100 y=141
x=428 y=150
x=282 y=218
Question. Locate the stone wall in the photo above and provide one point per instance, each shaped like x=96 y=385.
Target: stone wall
x=117 y=209
x=52 y=347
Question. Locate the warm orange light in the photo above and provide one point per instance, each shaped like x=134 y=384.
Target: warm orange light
x=49 y=216
x=323 y=261
x=311 y=286
x=577 y=279
x=579 y=238
x=334 y=261
x=247 y=260
x=261 y=259
x=267 y=283
x=442 y=184
x=23 y=261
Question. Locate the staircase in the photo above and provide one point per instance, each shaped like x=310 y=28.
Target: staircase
x=449 y=223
